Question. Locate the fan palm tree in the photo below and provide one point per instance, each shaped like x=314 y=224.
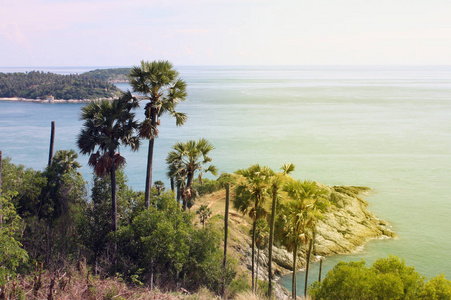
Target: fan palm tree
x=300 y=209
x=250 y=196
x=315 y=211
x=275 y=186
x=187 y=159
x=158 y=81
x=107 y=125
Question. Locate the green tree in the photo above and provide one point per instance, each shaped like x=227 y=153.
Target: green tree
x=276 y=183
x=438 y=288
x=204 y=213
x=387 y=278
x=187 y=159
x=107 y=125
x=298 y=217
x=158 y=81
x=11 y=251
x=250 y=196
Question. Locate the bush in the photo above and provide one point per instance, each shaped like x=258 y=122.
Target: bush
x=387 y=278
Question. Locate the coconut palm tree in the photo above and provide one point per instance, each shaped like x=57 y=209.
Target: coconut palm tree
x=275 y=186
x=298 y=217
x=250 y=196
x=107 y=125
x=158 y=81
x=187 y=159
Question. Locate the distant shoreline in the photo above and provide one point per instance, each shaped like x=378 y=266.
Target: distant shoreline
x=18 y=99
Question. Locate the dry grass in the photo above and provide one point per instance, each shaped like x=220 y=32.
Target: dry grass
x=80 y=285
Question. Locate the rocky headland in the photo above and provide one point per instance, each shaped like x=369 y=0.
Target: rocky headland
x=345 y=228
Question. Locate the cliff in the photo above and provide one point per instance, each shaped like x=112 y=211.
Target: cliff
x=347 y=225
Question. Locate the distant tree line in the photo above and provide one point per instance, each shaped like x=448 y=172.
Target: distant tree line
x=41 y=85
x=110 y=75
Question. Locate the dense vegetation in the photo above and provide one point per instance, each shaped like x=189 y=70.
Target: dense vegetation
x=50 y=223
x=41 y=85
x=110 y=75
x=387 y=278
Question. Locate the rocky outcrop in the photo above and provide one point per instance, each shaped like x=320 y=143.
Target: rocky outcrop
x=346 y=226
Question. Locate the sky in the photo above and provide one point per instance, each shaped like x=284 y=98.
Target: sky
x=224 y=32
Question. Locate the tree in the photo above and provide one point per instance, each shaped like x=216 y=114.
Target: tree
x=107 y=125
x=11 y=251
x=158 y=81
x=204 y=213
x=250 y=196
x=187 y=159
x=387 y=278
x=297 y=222
x=275 y=186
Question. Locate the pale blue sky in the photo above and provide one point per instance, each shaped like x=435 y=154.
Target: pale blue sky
x=224 y=32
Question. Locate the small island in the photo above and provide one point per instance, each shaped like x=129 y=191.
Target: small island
x=50 y=87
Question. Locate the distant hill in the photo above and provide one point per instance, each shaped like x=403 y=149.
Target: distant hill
x=40 y=85
x=111 y=75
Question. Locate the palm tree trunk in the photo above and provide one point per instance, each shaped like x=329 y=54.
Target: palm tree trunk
x=256 y=271
x=113 y=193
x=293 y=282
x=149 y=173
x=52 y=142
x=307 y=266
x=271 y=240
x=153 y=116
x=254 y=225
x=172 y=183
x=226 y=228
x=1 y=216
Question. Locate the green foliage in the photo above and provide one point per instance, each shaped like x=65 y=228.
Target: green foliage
x=40 y=85
x=204 y=213
x=208 y=186
x=11 y=251
x=387 y=278
x=110 y=75
x=94 y=223
x=163 y=241
x=438 y=288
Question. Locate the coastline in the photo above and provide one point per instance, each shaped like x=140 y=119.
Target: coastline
x=17 y=99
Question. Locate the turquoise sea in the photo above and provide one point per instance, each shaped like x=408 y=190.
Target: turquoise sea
x=385 y=127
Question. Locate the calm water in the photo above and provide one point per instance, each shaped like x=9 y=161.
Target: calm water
x=388 y=128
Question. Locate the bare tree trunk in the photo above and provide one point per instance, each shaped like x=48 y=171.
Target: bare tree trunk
x=293 y=282
x=309 y=253
x=172 y=183
x=149 y=173
x=153 y=116
x=52 y=143
x=113 y=193
x=254 y=225
x=256 y=271
x=320 y=269
x=271 y=241
x=226 y=228
x=1 y=216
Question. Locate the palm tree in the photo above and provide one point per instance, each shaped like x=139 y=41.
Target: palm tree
x=315 y=210
x=187 y=159
x=158 y=81
x=204 y=213
x=250 y=197
x=304 y=195
x=261 y=241
x=107 y=125
x=275 y=186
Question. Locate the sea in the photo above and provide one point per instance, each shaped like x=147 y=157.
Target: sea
x=384 y=127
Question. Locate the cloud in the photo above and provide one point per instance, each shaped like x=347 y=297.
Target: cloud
x=12 y=33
